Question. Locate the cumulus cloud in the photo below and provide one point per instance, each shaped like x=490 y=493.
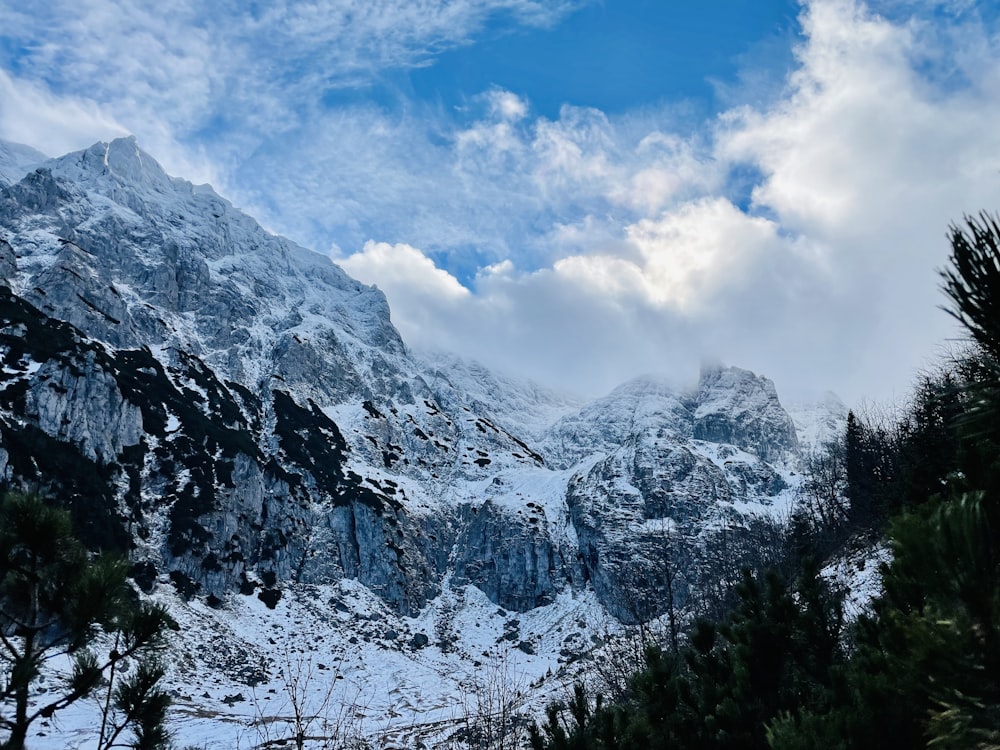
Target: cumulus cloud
x=423 y=295
x=693 y=254
x=798 y=236
x=866 y=132
x=543 y=323
x=589 y=322
x=507 y=105
x=883 y=138
x=827 y=278
x=400 y=265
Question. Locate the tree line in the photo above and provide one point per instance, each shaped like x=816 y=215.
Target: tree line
x=784 y=668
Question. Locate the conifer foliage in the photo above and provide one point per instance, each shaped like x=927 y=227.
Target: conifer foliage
x=923 y=668
x=56 y=601
x=775 y=649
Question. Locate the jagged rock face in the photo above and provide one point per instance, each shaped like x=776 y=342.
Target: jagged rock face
x=8 y=261
x=512 y=558
x=737 y=407
x=171 y=464
x=111 y=244
x=643 y=515
x=640 y=406
x=237 y=414
x=222 y=476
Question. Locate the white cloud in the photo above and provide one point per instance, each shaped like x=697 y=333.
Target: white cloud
x=403 y=267
x=827 y=280
x=424 y=296
x=870 y=155
x=31 y=115
x=672 y=170
x=694 y=253
x=507 y=105
x=598 y=246
x=682 y=262
x=542 y=323
x=865 y=134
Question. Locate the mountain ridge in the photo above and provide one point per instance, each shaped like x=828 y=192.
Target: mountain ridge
x=243 y=420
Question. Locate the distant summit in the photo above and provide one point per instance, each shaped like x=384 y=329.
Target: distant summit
x=16 y=161
x=241 y=419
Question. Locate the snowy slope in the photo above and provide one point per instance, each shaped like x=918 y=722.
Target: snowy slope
x=819 y=423
x=302 y=489
x=16 y=160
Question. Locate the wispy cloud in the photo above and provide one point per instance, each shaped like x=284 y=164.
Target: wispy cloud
x=32 y=115
x=828 y=276
x=267 y=62
x=798 y=236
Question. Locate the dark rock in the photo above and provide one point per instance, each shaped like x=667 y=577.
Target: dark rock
x=144 y=574
x=270 y=597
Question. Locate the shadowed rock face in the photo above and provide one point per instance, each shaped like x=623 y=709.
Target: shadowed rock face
x=513 y=559
x=237 y=414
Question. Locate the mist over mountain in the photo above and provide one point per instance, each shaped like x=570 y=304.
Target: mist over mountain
x=242 y=419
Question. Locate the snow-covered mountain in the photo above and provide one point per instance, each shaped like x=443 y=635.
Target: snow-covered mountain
x=243 y=420
x=16 y=160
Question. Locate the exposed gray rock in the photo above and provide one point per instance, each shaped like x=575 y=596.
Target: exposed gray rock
x=642 y=516
x=8 y=263
x=85 y=407
x=735 y=406
x=237 y=414
x=511 y=557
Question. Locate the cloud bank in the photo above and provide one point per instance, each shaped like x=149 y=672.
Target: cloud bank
x=799 y=237
x=825 y=276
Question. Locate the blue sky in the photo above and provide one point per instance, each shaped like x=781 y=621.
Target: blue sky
x=617 y=56
x=569 y=190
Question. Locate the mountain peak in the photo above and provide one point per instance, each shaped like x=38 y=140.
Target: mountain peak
x=120 y=159
x=124 y=158
x=740 y=407
x=16 y=160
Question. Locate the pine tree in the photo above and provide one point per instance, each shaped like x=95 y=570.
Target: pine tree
x=775 y=652
x=866 y=466
x=54 y=601
x=926 y=665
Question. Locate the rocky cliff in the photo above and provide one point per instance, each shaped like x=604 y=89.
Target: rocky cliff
x=239 y=416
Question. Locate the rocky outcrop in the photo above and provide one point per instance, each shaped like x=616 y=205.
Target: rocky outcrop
x=646 y=517
x=639 y=406
x=735 y=406
x=238 y=415
x=173 y=465
x=8 y=263
x=512 y=557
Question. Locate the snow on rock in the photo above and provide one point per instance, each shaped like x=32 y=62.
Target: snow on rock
x=735 y=406
x=243 y=419
x=819 y=423
x=858 y=573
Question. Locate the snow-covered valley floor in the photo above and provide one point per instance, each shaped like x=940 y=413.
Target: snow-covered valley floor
x=336 y=656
